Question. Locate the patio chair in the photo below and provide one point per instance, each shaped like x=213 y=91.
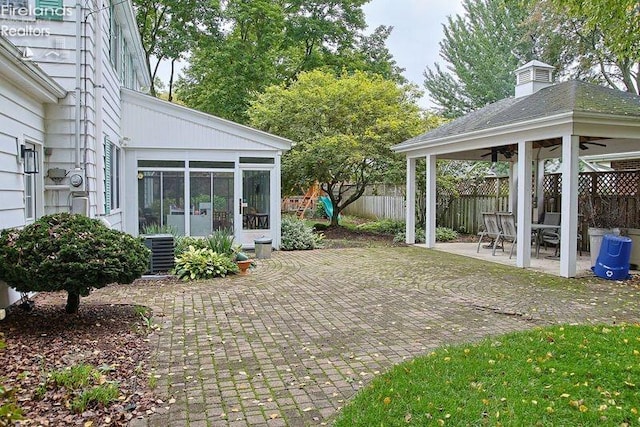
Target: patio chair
x=491 y=229
x=550 y=218
x=552 y=238
x=508 y=234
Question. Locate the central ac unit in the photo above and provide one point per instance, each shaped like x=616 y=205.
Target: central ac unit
x=162 y=252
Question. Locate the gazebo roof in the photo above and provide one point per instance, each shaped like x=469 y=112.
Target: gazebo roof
x=571 y=96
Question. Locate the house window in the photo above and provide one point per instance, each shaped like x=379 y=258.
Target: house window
x=30 y=193
x=112 y=159
x=52 y=10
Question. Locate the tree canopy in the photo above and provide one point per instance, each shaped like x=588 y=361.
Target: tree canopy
x=482 y=47
x=169 y=29
x=266 y=42
x=343 y=128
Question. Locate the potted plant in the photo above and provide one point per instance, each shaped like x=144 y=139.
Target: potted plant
x=243 y=261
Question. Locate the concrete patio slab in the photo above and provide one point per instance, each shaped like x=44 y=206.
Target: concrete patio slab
x=545 y=263
x=291 y=343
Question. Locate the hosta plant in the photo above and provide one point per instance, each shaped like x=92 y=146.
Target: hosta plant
x=203 y=263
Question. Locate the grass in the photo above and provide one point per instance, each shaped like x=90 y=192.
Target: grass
x=571 y=375
x=86 y=383
x=103 y=395
x=75 y=377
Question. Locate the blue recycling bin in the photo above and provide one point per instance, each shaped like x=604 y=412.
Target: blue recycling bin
x=613 y=259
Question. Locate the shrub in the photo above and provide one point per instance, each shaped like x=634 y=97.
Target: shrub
x=222 y=242
x=383 y=226
x=182 y=244
x=67 y=252
x=159 y=229
x=203 y=263
x=296 y=235
x=443 y=234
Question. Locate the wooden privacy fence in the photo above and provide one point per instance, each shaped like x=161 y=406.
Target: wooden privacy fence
x=461 y=209
x=390 y=207
x=607 y=198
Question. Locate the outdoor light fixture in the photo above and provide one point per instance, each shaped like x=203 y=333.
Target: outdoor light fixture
x=29 y=159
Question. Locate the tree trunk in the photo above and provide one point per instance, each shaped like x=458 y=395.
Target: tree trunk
x=173 y=62
x=334 y=218
x=73 y=302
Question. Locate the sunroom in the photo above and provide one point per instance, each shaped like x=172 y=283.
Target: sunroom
x=197 y=173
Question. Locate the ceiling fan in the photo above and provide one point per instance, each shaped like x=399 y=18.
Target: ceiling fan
x=584 y=145
x=506 y=150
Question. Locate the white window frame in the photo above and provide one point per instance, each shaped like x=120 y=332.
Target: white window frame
x=31 y=187
x=112 y=178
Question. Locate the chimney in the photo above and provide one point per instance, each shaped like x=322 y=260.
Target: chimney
x=532 y=77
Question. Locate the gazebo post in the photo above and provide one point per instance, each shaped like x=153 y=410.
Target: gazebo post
x=513 y=187
x=540 y=208
x=410 y=220
x=430 y=226
x=523 y=258
x=569 y=221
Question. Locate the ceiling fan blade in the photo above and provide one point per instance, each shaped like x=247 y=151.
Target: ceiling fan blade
x=599 y=144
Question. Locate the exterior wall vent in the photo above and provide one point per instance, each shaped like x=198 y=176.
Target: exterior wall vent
x=532 y=77
x=162 y=252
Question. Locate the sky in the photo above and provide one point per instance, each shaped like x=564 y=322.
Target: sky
x=417 y=31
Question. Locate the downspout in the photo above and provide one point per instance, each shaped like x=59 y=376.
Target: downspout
x=78 y=117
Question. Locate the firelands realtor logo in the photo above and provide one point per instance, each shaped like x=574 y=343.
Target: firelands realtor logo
x=22 y=11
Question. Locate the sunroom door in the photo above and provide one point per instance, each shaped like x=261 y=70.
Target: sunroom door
x=255 y=205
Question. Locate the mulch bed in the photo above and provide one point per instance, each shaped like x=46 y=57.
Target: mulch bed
x=113 y=338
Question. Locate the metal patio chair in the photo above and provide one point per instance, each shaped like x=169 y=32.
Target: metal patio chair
x=508 y=232
x=491 y=229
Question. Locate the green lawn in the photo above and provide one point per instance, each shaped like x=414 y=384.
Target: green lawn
x=561 y=376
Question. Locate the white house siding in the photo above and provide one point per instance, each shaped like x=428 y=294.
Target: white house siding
x=158 y=130
x=100 y=114
x=23 y=92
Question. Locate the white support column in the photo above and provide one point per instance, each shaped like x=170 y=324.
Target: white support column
x=513 y=187
x=430 y=226
x=523 y=259
x=569 y=222
x=410 y=221
x=539 y=191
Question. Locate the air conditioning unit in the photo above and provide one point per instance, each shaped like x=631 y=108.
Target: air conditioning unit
x=162 y=252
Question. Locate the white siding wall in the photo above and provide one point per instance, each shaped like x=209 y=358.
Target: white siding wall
x=55 y=53
x=21 y=118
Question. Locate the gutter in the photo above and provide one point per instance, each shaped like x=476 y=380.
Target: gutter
x=39 y=80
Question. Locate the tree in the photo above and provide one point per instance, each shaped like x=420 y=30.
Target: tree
x=171 y=28
x=343 y=128
x=482 y=48
x=225 y=73
x=600 y=40
x=268 y=42
x=596 y=41
x=71 y=253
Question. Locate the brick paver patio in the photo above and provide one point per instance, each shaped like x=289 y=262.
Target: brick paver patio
x=289 y=344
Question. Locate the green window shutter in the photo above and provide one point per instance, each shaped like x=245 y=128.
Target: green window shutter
x=107 y=176
x=52 y=10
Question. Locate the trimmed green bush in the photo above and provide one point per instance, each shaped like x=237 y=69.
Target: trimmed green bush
x=296 y=236
x=203 y=263
x=383 y=226
x=443 y=234
x=67 y=252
